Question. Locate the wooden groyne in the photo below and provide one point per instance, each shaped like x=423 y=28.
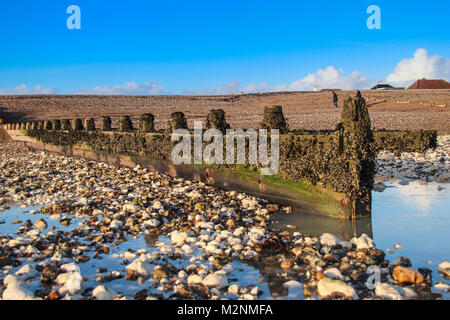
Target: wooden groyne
x=324 y=172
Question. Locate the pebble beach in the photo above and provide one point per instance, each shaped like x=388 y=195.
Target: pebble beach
x=78 y=229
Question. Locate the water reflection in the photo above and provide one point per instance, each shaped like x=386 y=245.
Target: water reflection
x=416 y=215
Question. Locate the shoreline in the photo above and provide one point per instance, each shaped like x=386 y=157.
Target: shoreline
x=199 y=235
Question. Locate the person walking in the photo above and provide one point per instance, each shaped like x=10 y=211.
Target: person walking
x=358 y=95
x=335 y=99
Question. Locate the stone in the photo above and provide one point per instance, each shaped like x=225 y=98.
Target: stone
x=404 y=275
x=17 y=292
x=398 y=245
x=328 y=239
x=287 y=264
x=216 y=280
x=73 y=284
x=178 y=237
x=292 y=284
x=159 y=273
x=444 y=269
x=379 y=187
x=387 y=291
x=103 y=293
x=27 y=271
x=41 y=224
x=333 y=273
x=403 y=262
x=233 y=289
x=327 y=287
x=194 y=279
x=363 y=242
x=141 y=267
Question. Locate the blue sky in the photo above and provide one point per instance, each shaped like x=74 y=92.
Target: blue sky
x=213 y=47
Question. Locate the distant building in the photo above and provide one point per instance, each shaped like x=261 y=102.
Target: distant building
x=316 y=88
x=384 y=86
x=430 y=84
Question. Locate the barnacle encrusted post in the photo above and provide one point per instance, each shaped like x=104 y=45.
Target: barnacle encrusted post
x=273 y=118
x=105 y=123
x=77 y=125
x=56 y=125
x=125 y=124
x=216 y=120
x=147 y=123
x=65 y=125
x=356 y=145
x=177 y=121
x=89 y=124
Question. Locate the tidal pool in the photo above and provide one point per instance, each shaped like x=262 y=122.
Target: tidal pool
x=417 y=216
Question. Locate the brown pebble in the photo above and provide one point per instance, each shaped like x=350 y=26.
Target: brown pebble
x=287 y=264
x=53 y=295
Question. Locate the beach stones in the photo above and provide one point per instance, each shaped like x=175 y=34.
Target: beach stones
x=327 y=287
x=407 y=276
x=41 y=224
x=444 y=269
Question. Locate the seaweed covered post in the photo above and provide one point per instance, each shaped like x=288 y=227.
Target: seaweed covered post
x=177 y=121
x=56 y=125
x=356 y=144
x=273 y=118
x=65 y=125
x=125 y=124
x=105 y=123
x=216 y=120
x=35 y=125
x=147 y=123
x=89 y=124
x=48 y=125
x=77 y=125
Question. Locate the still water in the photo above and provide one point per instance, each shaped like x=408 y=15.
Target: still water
x=417 y=216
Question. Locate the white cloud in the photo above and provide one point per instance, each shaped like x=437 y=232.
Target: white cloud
x=420 y=66
x=263 y=87
x=128 y=88
x=331 y=78
x=232 y=87
x=24 y=89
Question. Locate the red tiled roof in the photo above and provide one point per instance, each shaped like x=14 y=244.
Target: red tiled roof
x=430 y=84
